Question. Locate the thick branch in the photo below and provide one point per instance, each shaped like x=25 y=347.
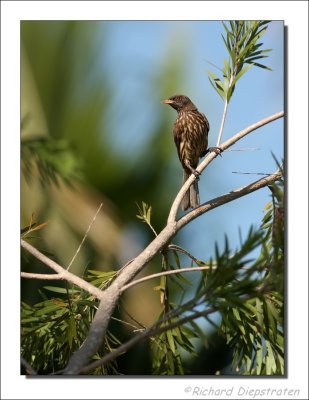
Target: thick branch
x=60 y=270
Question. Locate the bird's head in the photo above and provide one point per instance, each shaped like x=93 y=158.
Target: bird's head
x=180 y=103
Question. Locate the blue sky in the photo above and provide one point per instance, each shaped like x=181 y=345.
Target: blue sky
x=135 y=53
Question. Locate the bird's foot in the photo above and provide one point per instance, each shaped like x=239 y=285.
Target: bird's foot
x=193 y=170
x=196 y=173
x=215 y=149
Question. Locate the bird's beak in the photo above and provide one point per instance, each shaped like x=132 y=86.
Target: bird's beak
x=167 y=101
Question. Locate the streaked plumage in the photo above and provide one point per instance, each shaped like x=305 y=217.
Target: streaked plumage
x=190 y=133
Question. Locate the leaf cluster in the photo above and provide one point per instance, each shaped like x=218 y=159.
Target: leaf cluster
x=53 y=329
x=244 y=49
x=255 y=329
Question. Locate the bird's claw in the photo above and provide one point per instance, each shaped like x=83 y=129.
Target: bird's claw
x=196 y=174
x=216 y=150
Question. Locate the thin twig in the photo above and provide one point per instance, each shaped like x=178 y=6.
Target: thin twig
x=183 y=251
x=224 y=114
x=245 y=149
x=125 y=311
x=159 y=274
x=250 y=173
x=124 y=266
x=136 y=329
x=85 y=236
x=222 y=122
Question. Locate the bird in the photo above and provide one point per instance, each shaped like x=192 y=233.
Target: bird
x=190 y=133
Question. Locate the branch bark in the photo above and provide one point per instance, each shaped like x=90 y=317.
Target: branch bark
x=47 y=277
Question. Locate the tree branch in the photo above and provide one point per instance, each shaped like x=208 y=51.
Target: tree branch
x=226 y=198
x=159 y=274
x=85 y=236
x=61 y=271
x=48 y=277
x=226 y=103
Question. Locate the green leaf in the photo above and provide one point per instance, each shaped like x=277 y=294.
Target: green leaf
x=221 y=93
x=230 y=50
x=216 y=80
x=48 y=310
x=56 y=289
x=243 y=38
x=250 y=59
x=71 y=330
x=225 y=27
x=233 y=84
x=259 y=358
x=259 y=312
x=226 y=69
x=256 y=53
x=270 y=360
x=239 y=324
x=260 y=65
x=241 y=73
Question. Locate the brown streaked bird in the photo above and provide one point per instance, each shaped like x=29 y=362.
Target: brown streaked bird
x=190 y=133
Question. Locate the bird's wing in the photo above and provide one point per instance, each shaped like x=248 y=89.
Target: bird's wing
x=207 y=123
x=178 y=131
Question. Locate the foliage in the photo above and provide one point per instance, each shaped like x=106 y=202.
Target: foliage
x=256 y=329
x=54 y=328
x=242 y=44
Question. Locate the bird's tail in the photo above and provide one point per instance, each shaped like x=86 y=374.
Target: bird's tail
x=192 y=197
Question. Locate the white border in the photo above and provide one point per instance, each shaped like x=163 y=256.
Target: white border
x=295 y=14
